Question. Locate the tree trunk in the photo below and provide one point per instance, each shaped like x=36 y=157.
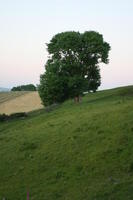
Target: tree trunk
x=77 y=99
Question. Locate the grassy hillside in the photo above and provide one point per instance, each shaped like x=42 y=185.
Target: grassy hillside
x=75 y=152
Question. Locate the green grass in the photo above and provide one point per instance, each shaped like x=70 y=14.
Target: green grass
x=75 y=152
x=6 y=96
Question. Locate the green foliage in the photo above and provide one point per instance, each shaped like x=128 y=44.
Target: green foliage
x=53 y=85
x=94 y=78
x=4 y=117
x=73 y=65
x=29 y=87
x=74 y=152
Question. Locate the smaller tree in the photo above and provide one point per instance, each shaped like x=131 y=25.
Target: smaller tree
x=53 y=84
x=29 y=87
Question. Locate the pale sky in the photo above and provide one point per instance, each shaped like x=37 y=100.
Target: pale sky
x=26 y=25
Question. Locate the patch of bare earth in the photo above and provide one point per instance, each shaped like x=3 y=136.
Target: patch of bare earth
x=24 y=103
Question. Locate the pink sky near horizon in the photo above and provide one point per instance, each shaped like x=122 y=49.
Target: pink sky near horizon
x=26 y=27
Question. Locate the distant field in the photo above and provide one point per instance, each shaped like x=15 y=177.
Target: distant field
x=6 y=96
x=11 y=102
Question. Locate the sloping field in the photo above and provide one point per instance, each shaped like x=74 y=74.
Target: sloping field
x=75 y=152
x=6 y=96
x=12 y=102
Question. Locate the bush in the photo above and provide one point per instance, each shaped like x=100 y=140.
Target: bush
x=18 y=115
x=4 y=117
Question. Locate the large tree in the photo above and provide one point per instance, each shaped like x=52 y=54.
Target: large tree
x=73 y=65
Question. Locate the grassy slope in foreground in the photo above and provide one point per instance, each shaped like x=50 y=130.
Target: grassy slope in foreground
x=76 y=152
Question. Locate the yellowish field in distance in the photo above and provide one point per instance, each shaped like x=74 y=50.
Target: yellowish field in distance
x=12 y=102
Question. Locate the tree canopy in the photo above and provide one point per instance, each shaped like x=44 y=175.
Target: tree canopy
x=29 y=87
x=73 y=65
